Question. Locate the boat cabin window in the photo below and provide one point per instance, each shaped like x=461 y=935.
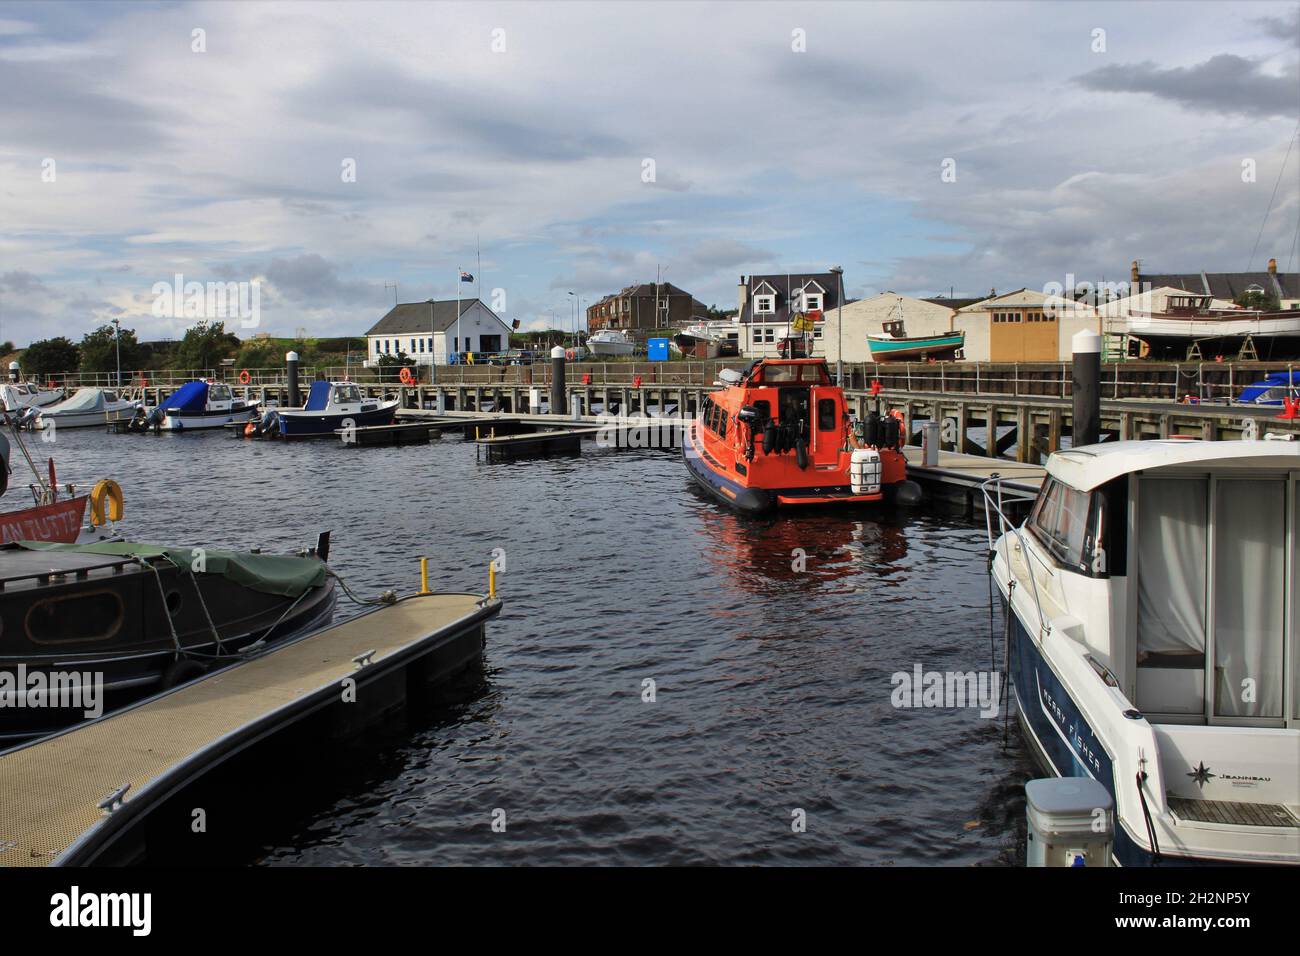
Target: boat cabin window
x=826 y=415
x=219 y=393
x=803 y=373
x=1086 y=532
x=345 y=394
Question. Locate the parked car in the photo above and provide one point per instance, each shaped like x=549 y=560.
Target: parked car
x=512 y=357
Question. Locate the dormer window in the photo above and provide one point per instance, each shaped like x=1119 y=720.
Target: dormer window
x=812 y=301
x=764 y=305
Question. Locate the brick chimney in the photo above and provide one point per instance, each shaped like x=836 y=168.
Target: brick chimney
x=1272 y=267
x=1135 y=276
x=742 y=295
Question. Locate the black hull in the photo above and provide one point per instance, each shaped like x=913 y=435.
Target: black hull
x=140 y=657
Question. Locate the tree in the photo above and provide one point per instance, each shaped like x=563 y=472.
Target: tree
x=1258 y=299
x=205 y=345
x=51 y=355
x=99 y=350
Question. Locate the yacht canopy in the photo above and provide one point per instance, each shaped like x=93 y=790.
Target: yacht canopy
x=1090 y=466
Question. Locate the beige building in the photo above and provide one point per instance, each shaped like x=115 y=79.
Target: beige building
x=868 y=317
x=1023 y=326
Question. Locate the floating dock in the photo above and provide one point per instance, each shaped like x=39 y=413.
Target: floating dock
x=77 y=797
x=957 y=478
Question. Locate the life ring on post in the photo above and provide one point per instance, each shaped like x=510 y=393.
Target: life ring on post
x=244 y=377
x=106 y=491
x=406 y=376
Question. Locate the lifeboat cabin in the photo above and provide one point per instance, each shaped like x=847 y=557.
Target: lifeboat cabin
x=779 y=434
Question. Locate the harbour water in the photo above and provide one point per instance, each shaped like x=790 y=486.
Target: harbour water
x=770 y=645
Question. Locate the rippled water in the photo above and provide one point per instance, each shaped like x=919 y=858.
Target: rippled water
x=772 y=683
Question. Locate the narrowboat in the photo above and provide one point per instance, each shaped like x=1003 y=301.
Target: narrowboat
x=197 y=405
x=1153 y=640
x=332 y=406
x=117 y=621
x=779 y=435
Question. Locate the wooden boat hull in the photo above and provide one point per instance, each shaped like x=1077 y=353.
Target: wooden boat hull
x=885 y=349
x=60 y=522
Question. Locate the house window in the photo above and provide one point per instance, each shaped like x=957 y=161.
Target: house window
x=812 y=301
x=817 y=331
x=378 y=347
x=764 y=304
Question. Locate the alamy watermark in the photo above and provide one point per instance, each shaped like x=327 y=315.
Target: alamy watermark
x=180 y=299
x=83 y=690
x=947 y=689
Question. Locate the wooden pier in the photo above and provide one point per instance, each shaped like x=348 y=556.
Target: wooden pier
x=78 y=797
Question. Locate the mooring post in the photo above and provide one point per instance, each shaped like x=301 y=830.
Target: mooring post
x=1086 y=418
x=295 y=397
x=557 y=381
x=13 y=371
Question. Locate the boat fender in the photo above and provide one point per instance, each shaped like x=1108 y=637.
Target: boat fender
x=181 y=672
x=907 y=493
x=769 y=437
x=106 y=491
x=801 y=454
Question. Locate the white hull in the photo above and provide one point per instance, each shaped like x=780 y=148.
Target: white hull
x=609 y=348
x=120 y=412
x=1152 y=327
x=189 y=423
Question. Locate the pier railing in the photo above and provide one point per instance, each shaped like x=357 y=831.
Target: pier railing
x=1187 y=382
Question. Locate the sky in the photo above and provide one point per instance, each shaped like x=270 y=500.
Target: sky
x=925 y=147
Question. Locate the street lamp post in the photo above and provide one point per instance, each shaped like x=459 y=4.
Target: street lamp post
x=838 y=272
x=117 y=339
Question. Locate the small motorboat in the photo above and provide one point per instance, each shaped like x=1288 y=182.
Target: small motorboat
x=1149 y=601
x=610 y=342
x=779 y=434
x=20 y=396
x=197 y=405
x=701 y=340
x=87 y=407
x=332 y=406
x=1275 y=387
x=90 y=628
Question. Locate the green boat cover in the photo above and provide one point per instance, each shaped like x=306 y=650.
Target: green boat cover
x=282 y=574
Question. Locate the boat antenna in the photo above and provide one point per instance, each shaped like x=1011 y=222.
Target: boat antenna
x=1278 y=182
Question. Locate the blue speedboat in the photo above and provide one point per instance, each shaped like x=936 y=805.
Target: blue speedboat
x=332 y=406
x=1275 y=387
x=199 y=405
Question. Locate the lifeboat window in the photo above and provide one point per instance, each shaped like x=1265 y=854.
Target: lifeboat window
x=826 y=415
x=93 y=616
x=722 y=422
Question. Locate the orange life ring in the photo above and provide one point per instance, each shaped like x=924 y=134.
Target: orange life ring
x=406 y=376
x=244 y=377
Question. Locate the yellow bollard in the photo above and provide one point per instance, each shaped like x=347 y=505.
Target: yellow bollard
x=424 y=576
x=492 y=581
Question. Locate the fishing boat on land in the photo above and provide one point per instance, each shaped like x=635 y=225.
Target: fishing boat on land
x=331 y=406
x=1192 y=327
x=197 y=405
x=779 y=434
x=708 y=340
x=1153 y=640
x=610 y=342
x=120 y=620
x=895 y=345
x=87 y=407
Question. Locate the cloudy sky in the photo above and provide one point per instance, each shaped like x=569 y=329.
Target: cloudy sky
x=783 y=137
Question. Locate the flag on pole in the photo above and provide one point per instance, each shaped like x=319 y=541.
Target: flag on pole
x=465 y=276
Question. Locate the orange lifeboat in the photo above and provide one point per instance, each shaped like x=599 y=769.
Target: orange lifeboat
x=779 y=434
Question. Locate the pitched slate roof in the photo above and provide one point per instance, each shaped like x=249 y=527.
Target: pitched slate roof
x=781 y=285
x=413 y=317
x=1227 y=285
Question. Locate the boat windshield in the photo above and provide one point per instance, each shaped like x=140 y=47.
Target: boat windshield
x=346 y=394
x=806 y=373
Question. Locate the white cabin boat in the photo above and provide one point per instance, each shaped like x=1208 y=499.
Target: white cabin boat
x=87 y=407
x=197 y=405
x=1153 y=640
x=20 y=396
x=612 y=342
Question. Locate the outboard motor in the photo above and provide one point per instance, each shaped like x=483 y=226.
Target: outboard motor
x=269 y=424
x=155 y=418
